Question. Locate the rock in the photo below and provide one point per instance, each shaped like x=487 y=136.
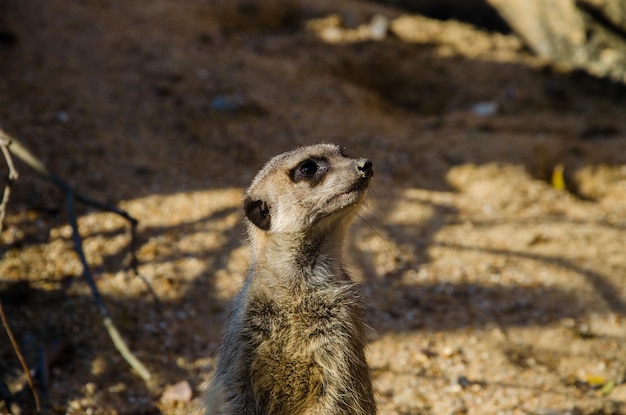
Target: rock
x=180 y=392
x=585 y=34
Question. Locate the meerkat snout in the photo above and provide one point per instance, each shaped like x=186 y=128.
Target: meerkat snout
x=365 y=167
x=295 y=342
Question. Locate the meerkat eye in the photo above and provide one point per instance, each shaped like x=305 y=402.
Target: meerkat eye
x=308 y=168
x=311 y=170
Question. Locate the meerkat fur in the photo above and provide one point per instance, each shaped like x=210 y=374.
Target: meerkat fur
x=295 y=343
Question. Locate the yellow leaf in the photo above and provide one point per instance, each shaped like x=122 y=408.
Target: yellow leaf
x=595 y=380
x=558 y=182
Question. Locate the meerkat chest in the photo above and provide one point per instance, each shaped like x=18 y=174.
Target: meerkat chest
x=294 y=321
x=295 y=343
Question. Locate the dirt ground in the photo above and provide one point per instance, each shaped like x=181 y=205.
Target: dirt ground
x=492 y=291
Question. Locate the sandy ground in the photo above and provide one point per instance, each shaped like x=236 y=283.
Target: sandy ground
x=491 y=290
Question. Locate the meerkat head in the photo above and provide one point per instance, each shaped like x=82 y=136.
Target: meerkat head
x=306 y=189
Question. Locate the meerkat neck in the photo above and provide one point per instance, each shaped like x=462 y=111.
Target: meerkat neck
x=315 y=258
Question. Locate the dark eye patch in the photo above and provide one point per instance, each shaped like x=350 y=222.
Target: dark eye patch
x=312 y=169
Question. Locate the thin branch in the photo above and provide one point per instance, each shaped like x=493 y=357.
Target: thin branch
x=108 y=323
x=41 y=372
x=78 y=247
x=125 y=351
x=20 y=357
x=21 y=152
x=134 y=265
x=5 y=143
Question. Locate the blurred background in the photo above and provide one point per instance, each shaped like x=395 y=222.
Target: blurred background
x=491 y=248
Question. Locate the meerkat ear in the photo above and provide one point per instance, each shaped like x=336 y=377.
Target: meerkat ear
x=258 y=212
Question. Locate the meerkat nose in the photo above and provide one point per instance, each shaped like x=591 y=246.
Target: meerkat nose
x=365 y=167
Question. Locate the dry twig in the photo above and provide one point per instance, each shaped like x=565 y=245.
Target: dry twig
x=21 y=152
x=20 y=357
x=5 y=142
x=108 y=323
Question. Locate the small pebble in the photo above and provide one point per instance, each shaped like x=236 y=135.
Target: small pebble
x=180 y=392
x=485 y=109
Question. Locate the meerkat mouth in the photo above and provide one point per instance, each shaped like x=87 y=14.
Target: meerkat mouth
x=342 y=203
x=350 y=197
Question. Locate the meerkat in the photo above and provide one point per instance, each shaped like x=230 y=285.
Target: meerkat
x=295 y=343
